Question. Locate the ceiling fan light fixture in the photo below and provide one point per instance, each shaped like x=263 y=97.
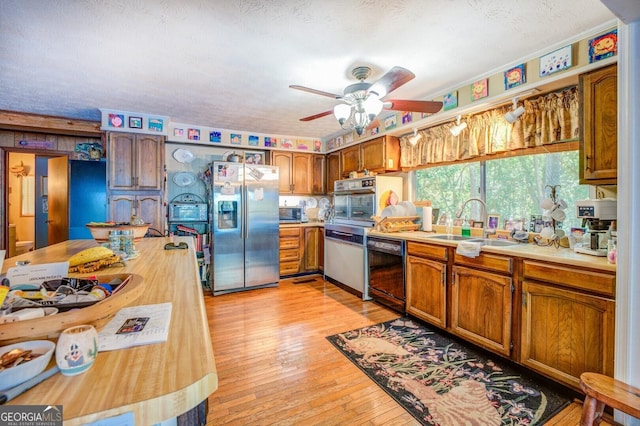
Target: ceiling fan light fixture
x=459 y=127
x=342 y=113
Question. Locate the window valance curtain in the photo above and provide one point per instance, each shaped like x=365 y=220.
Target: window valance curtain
x=548 y=119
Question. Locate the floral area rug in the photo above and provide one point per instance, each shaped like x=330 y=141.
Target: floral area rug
x=441 y=382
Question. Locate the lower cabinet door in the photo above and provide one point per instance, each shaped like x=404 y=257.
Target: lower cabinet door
x=427 y=290
x=481 y=308
x=565 y=333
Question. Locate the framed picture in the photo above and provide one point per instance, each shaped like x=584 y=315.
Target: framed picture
x=493 y=221
x=536 y=223
x=450 y=100
x=253 y=157
x=116 y=120
x=458 y=222
x=555 y=61
x=514 y=77
x=390 y=122
x=477 y=224
x=435 y=213
x=156 y=125
x=193 y=134
x=236 y=138
x=603 y=46
x=514 y=224
x=480 y=89
x=135 y=122
x=443 y=219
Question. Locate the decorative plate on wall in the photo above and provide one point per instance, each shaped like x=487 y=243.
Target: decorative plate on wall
x=184 y=179
x=183 y=155
x=324 y=203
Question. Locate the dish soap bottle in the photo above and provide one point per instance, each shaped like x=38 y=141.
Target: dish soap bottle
x=466 y=228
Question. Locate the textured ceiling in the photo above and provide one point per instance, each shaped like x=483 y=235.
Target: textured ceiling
x=228 y=63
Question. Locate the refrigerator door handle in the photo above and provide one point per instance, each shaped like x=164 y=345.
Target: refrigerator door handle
x=245 y=210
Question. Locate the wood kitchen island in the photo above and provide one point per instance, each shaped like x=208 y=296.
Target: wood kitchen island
x=154 y=382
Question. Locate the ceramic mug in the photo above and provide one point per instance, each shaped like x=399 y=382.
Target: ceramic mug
x=76 y=349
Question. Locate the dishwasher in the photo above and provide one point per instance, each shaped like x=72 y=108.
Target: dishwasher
x=344 y=260
x=385 y=265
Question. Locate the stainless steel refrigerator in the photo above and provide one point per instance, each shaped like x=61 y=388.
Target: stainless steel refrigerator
x=245 y=226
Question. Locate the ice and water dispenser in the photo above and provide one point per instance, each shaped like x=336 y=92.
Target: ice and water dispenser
x=227 y=216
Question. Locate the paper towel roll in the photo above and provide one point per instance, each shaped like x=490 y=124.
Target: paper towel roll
x=427 y=218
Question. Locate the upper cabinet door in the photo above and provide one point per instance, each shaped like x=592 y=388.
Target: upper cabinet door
x=121 y=160
x=283 y=161
x=135 y=161
x=302 y=174
x=149 y=162
x=599 y=126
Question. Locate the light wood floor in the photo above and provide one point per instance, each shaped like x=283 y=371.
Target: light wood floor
x=276 y=367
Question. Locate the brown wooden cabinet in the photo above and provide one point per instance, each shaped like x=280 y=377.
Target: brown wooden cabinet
x=311 y=258
x=301 y=250
x=566 y=328
x=334 y=171
x=296 y=175
x=135 y=161
x=481 y=301
x=380 y=155
x=426 y=275
x=350 y=159
x=148 y=206
x=135 y=178
x=599 y=126
x=290 y=250
x=318 y=180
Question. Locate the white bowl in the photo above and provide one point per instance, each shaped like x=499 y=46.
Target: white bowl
x=13 y=376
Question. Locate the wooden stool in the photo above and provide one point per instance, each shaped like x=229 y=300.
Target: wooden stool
x=603 y=390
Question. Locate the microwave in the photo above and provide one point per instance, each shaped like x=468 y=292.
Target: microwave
x=187 y=212
x=290 y=214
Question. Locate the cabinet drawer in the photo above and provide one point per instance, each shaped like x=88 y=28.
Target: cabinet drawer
x=487 y=261
x=291 y=254
x=598 y=282
x=427 y=250
x=289 y=232
x=289 y=243
x=288 y=268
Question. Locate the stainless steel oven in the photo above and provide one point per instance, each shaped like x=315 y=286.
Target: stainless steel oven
x=385 y=265
x=357 y=200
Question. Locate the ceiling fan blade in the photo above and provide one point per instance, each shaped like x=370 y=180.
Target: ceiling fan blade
x=393 y=79
x=319 y=115
x=413 y=106
x=317 y=92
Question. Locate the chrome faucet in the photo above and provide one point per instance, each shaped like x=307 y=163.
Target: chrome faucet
x=486 y=231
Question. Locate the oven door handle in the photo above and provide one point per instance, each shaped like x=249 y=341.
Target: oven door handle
x=344 y=234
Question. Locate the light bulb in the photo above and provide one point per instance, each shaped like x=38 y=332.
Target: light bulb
x=342 y=112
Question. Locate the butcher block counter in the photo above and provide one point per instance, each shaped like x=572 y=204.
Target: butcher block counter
x=154 y=382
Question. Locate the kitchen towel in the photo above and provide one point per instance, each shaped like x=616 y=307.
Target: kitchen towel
x=468 y=248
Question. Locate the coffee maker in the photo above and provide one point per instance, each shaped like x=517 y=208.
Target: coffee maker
x=597 y=216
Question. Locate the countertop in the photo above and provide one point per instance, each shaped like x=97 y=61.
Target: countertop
x=560 y=255
x=302 y=225
x=155 y=382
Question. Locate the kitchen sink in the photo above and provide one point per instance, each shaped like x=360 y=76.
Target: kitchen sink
x=452 y=238
x=496 y=243
x=484 y=241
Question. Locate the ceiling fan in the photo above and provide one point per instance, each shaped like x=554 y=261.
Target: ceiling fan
x=364 y=101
